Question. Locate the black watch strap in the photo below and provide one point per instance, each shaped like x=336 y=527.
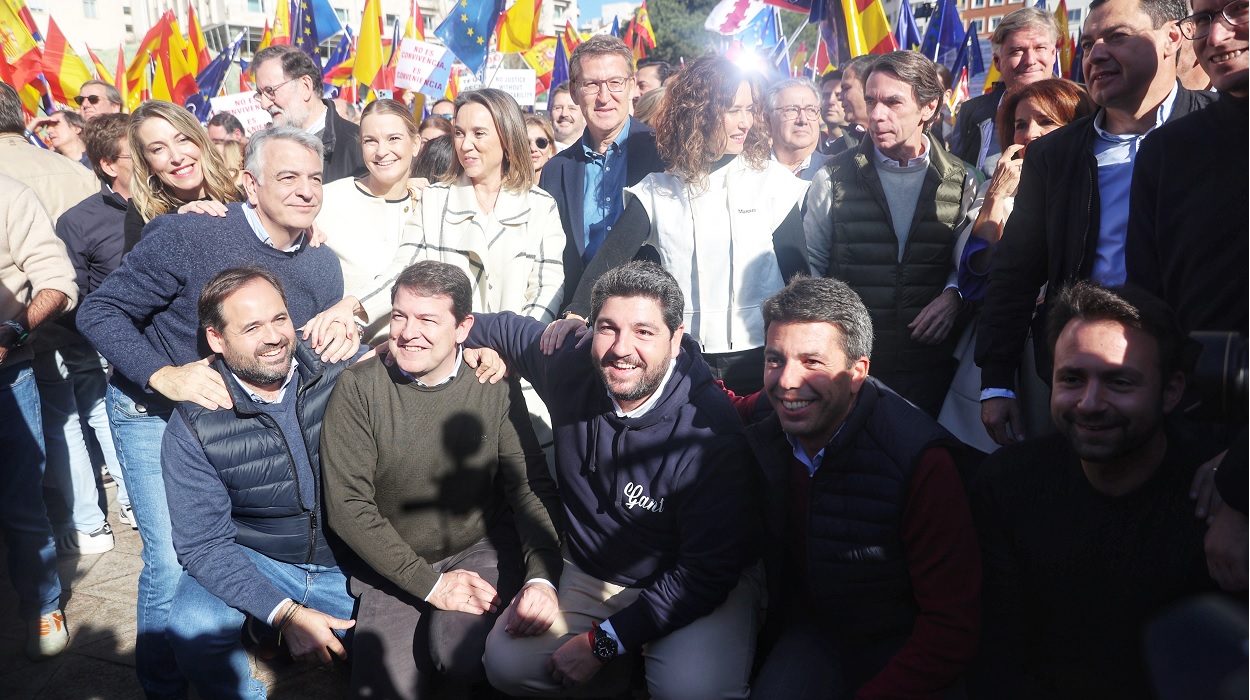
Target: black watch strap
x=604 y=646
x=19 y=331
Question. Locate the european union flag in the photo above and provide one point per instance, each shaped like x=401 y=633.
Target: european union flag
x=341 y=52
x=211 y=79
x=466 y=30
x=944 y=34
x=969 y=56
x=327 y=22
x=559 y=71
x=304 y=29
x=907 y=33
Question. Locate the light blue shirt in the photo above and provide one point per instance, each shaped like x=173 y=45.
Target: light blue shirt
x=602 y=193
x=1115 y=154
x=281 y=392
x=253 y=220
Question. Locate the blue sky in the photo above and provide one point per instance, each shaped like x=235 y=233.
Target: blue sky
x=589 y=9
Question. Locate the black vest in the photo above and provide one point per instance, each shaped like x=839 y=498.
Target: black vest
x=857 y=568
x=865 y=250
x=257 y=467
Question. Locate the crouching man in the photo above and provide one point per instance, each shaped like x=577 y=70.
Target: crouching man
x=244 y=486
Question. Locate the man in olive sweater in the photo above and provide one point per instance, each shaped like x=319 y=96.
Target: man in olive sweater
x=426 y=478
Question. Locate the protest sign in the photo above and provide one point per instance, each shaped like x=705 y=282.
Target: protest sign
x=518 y=82
x=245 y=107
x=423 y=67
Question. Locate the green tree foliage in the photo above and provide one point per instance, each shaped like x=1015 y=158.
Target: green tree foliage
x=679 y=32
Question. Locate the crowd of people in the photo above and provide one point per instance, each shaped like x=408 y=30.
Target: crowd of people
x=702 y=383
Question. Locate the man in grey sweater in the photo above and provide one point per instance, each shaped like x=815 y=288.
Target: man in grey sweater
x=427 y=480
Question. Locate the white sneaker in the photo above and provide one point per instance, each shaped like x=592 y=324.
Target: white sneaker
x=48 y=636
x=75 y=543
x=126 y=515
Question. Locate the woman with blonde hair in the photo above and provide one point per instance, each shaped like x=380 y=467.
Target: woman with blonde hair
x=542 y=140
x=175 y=165
x=363 y=219
x=725 y=219
x=648 y=107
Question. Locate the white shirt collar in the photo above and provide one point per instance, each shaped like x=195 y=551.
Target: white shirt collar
x=1161 y=115
x=807 y=162
x=455 y=369
x=249 y=212
x=251 y=394
x=889 y=162
x=320 y=125
x=650 y=402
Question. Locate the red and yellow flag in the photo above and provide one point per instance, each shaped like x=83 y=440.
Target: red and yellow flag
x=867 y=29
x=517 y=27
x=571 y=37
x=21 y=53
x=282 y=24
x=101 y=72
x=542 y=58
x=415 y=28
x=369 y=45
x=197 y=57
x=119 y=78
x=62 y=67
x=266 y=38
x=1065 y=39
x=642 y=27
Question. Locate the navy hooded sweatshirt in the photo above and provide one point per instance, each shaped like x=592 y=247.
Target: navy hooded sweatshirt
x=664 y=501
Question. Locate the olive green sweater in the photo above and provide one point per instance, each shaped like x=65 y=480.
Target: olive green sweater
x=416 y=474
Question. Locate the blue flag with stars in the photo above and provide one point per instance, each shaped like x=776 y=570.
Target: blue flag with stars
x=466 y=30
x=304 y=29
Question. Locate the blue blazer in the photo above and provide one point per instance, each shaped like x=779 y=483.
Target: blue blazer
x=564 y=178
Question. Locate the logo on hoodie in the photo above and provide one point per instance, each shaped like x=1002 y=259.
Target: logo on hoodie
x=634 y=496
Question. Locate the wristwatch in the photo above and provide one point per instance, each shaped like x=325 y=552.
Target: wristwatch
x=19 y=332
x=602 y=645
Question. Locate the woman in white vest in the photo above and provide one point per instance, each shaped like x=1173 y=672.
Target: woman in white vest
x=725 y=218
x=363 y=220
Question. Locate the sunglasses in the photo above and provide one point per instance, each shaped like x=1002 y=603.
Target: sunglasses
x=93 y=99
x=541 y=142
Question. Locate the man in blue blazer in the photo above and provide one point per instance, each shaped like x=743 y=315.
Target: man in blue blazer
x=587 y=178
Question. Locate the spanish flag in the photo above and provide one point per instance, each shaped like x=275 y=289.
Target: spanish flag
x=63 y=69
x=197 y=58
x=517 y=26
x=369 y=45
x=282 y=24
x=20 y=50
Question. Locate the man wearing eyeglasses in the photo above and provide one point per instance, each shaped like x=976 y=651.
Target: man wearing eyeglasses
x=96 y=98
x=1129 y=62
x=289 y=87
x=615 y=151
x=793 y=111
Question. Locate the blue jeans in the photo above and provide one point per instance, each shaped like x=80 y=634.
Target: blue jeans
x=137 y=434
x=27 y=533
x=206 y=632
x=90 y=374
x=69 y=461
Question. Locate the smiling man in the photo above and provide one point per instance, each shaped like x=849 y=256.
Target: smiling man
x=289 y=87
x=884 y=217
x=250 y=530
x=1129 y=49
x=616 y=151
x=654 y=476
x=1024 y=46
x=793 y=110
x=1088 y=534
x=450 y=518
x=566 y=117
x=871 y=553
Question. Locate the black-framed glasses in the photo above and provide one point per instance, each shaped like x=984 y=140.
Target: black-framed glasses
x=791 y=112
x=271 y=91
x=591 y=87
x=541 y=142
x=1198 y=25
x=92 y=99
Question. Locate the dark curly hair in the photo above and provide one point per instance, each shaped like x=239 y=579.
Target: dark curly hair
x=688 y=129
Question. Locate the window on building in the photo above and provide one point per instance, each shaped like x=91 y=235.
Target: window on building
x=342 y=13
x=1074 y=16
x=390 y=21
x=993 y=23
x=979 y=25
x=37 y=5
x=978 y=3
x=255 y=6
x=126 y=11
x=130 y=29
x=996 y=2
x=558 y=13
x=89 y=9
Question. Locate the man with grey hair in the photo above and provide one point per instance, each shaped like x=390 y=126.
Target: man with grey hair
x=289 y=87
x=144 y=320
x=97 y=97
x=1024 y=52
x=615 y=152
x=1089 y=163
x=885 y=216
x=792 y=107
x=872 y=558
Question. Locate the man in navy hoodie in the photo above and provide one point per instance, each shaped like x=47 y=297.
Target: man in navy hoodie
x=653 y=471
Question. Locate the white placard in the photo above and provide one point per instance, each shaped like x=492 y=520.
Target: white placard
x=246 y=108
x=423 y=66
x=518 y=82
x=468 y=79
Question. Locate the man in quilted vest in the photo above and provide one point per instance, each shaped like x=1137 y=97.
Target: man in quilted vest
x=244 y=486
x=884 y=217
x=873 y=569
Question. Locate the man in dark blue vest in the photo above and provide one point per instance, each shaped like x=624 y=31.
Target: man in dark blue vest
x=244 y=483
x=871 y=551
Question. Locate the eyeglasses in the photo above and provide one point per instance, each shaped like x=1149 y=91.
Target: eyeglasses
x=591 y=87
x=270 y=92
x=1198 y=25
x=93 y=99
x=541 y=142
x=791 y=112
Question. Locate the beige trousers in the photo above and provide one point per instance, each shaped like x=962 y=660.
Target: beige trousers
x=709 y=658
